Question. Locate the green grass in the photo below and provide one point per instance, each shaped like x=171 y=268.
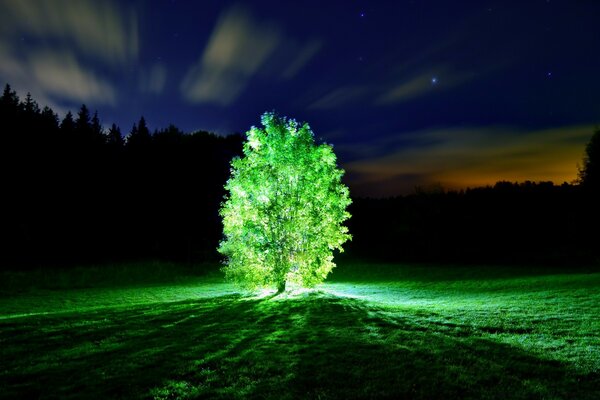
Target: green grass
x=371 y=331
x=91 y=276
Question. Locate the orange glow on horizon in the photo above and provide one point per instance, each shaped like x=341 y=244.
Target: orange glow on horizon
x=460 y=159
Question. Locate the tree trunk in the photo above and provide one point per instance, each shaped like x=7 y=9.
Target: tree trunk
x=281 y=287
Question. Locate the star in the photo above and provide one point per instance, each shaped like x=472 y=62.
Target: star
x=362 y=14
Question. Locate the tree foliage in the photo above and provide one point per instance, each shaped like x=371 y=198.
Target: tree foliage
x=74 y=193
x=589 y=175
x=284 y=211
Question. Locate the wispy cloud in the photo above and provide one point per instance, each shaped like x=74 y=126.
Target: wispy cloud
x=55 y=49
x=302 y=56
x=340 y=97
x=54 y=78
x=240 y=45
x=61 y=75
x=435 y=80
x=154 y=79
x=459 y=158
x=10 y=67
x=96 y=28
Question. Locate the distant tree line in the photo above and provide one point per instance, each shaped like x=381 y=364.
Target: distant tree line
x=513 y=223
x=74 y=192
x=516 y=223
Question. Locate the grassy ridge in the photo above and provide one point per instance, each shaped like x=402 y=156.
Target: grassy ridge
x=396 y=332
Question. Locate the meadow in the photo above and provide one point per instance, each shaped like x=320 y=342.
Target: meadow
x=370 y=331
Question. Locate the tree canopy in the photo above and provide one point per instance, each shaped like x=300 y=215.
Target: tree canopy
x=284 y=209
x=75 y=193
x=590 y=173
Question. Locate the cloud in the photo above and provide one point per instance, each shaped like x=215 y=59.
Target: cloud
x=61 y=75
x=339 y=97
x=10 y=67
x=56 y=48
x=302 y=57
x=53 y=77
x=459 y=158
x=96 y=28
x=423 y=84
x=417 y=86
x=240 y=47
x=154 y=79
x=16 y=72
x=236 y=50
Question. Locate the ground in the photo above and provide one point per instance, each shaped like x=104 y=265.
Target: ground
x=371 y=331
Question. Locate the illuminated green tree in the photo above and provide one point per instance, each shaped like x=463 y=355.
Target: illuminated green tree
x=284 y=212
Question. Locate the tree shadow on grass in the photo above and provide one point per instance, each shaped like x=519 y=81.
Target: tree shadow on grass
x=313 y=346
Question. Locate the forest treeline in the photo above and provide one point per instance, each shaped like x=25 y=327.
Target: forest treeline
x=509 y=223
x=75 y=192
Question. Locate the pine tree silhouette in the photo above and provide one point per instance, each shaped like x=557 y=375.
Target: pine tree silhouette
x=114 y=138
x=139 y=138
x=589 y=175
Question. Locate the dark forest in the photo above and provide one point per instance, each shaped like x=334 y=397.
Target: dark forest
x=78 y=193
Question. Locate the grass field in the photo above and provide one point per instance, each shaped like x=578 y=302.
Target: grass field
x=371 y=331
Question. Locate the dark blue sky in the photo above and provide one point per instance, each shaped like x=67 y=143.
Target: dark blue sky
x=461 y=93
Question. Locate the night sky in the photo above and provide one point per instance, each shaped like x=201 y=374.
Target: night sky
x=460 y=93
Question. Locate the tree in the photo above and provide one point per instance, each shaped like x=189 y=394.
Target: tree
x=589 y=175
x=49 y=118
x=114 y=138
x=30 y=106
x=67 y=124
x=97 y=130
x=9 y=120
x=9 y=99
x=284 y=212
x=139 y=137
x=82 y=124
